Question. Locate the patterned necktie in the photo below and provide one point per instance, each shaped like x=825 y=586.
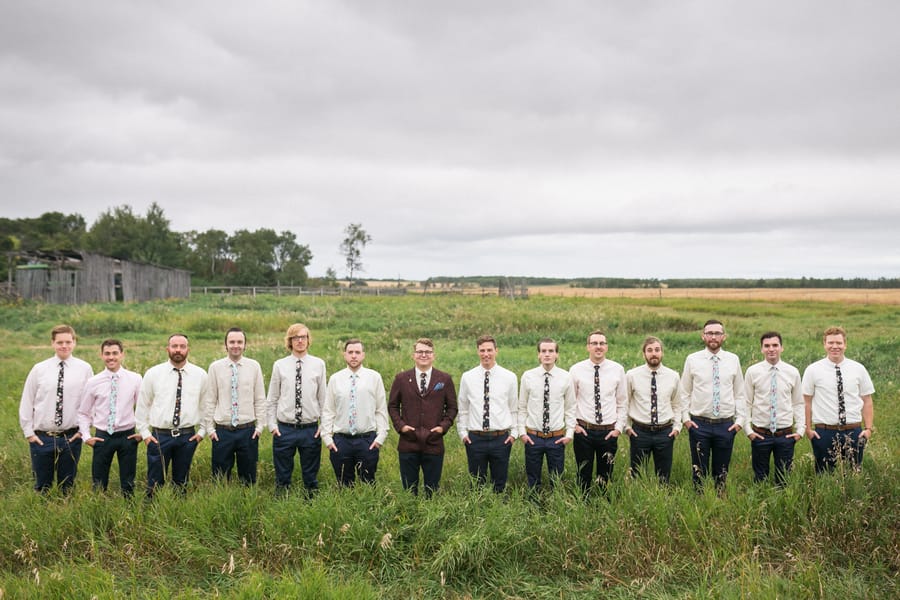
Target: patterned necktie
x=546 y=422
x=234 y=395
x=58 y=415
x=654 y=401
x=773 y=400
x=486 y=416
x=598 y=410
x=298 y=393
x=422 y=386
x=716 y=384
x=352 y=409
x=113 y=396
x=842 y=408
x=176 y=417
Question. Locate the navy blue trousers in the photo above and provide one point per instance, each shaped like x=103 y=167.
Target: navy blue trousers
x=57 y=457
x=116 y=446
x=302 y=441
x=489 y=452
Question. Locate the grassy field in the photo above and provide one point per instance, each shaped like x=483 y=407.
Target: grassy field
x=835 y=536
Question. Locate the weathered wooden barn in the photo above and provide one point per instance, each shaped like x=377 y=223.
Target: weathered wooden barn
x=81 y=277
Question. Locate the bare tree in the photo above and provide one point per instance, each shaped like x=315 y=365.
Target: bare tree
x=352 y=248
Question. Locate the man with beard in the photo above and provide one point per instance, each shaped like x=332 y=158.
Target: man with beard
x=654 y=410
x=354 y=418
x=714 y=404
x=169 y=415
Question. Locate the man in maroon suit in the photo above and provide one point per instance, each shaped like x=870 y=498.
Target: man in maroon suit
x=422 y=406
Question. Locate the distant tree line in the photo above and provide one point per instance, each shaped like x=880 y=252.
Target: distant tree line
x=262 y=257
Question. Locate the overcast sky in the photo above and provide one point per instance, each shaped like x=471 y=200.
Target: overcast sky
x=566 y=138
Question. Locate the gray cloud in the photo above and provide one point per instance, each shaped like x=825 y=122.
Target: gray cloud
x=651 y=139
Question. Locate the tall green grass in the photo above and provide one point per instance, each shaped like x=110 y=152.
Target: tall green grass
x=832 y=536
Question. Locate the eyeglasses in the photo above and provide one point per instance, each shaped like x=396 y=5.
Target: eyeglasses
x=298 y=338
x=424 y=352
x=714 y=333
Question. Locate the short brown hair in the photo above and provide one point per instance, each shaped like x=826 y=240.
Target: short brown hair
x=62 y=329
x=424 y=342
x=111 y=342
x=484 y=339
x=354 y=341
x=651 y=340
x=547 y=340
x=593 y=333
x=835 y=330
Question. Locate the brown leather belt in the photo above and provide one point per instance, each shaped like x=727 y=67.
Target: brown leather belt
x=637 y=426
x=593 y=427
x=544 y=436
x=492 y=433
x=846 y=427
x=768 y=432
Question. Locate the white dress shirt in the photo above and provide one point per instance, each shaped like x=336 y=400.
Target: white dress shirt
x=561 y=401
x=668 y=395
x=281 y=400
x=156 y=402
x=503 y=405
x=697 y=386
x=613 y=397
x=790 y=411
x=371 y=405
x=251 y=394
x=820 y=382
x=37 y=409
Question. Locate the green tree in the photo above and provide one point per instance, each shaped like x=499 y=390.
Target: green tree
x=352 y=247
x=264 y=257
x=207 y=253
x=121 y=233
x=291 y=260
x=254 y=256
x=51 y=231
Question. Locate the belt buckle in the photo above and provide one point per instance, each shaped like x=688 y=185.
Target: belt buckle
x=175 y=432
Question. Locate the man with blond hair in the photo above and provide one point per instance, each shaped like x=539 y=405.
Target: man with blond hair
x=840 y=415
x=48 y=412
x=295 y=401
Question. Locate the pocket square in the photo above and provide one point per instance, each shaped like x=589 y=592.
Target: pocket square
x=439 y=386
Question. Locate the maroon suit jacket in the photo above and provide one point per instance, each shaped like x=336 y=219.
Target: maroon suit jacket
x=437 y=406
